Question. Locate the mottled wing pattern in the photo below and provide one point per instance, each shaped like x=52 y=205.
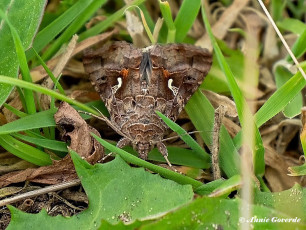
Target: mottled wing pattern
x=107 y=64
x=114 y=72
x=186 y=65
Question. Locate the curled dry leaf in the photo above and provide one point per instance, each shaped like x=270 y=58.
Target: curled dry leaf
x=73 y=128
x=277 y=170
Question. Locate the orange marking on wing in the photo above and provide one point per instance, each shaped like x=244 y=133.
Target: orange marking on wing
x=166 y=73
x=124 y=73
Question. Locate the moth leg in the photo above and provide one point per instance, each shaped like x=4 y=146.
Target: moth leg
x=106 y=120
x=163 y=150
x=123 y=142
x=120 y=144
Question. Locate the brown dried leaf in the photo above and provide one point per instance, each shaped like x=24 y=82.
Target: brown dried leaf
x=73 y=128
x=277 y=170
x=221 y=27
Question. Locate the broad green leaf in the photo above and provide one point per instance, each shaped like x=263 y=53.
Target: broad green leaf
x=29 y=13
x=216 y=213
x=28 y=103
x=292 y=202
x=37 y=120
x=201 y=113
x=115 y=192
x=24 y=151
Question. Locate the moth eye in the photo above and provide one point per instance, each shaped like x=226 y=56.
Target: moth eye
x=189 y=78
x=103 y=79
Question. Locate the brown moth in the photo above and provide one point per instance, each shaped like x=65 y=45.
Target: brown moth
x=134 y=83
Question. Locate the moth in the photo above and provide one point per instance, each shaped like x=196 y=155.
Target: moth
x=134 y=83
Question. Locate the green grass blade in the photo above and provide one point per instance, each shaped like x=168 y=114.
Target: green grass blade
x=244 y=113
x=278 y=101
x=14 y=110
x=292 y=109
x=73 y=28
x=102 y=26
x=185 y=18
x=52 y=93
x=176 y=155
x=297 y=170
x=167 y=15
x=201 y=113
x=24 y=151
x=142 y=163
x=33 y=121
x=281 y=98
x=294 y=25
x=299 y=47
x=43 y=142
x=185 y=137
x=46 y=35
x=49 y=72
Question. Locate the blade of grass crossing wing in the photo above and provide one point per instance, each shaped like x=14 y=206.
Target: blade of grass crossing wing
x=185 y=137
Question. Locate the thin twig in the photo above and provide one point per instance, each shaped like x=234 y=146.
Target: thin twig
x=41 y=191
x=282 y=39
x=219 y=114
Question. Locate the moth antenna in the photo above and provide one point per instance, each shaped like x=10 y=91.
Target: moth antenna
x=170 y=138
